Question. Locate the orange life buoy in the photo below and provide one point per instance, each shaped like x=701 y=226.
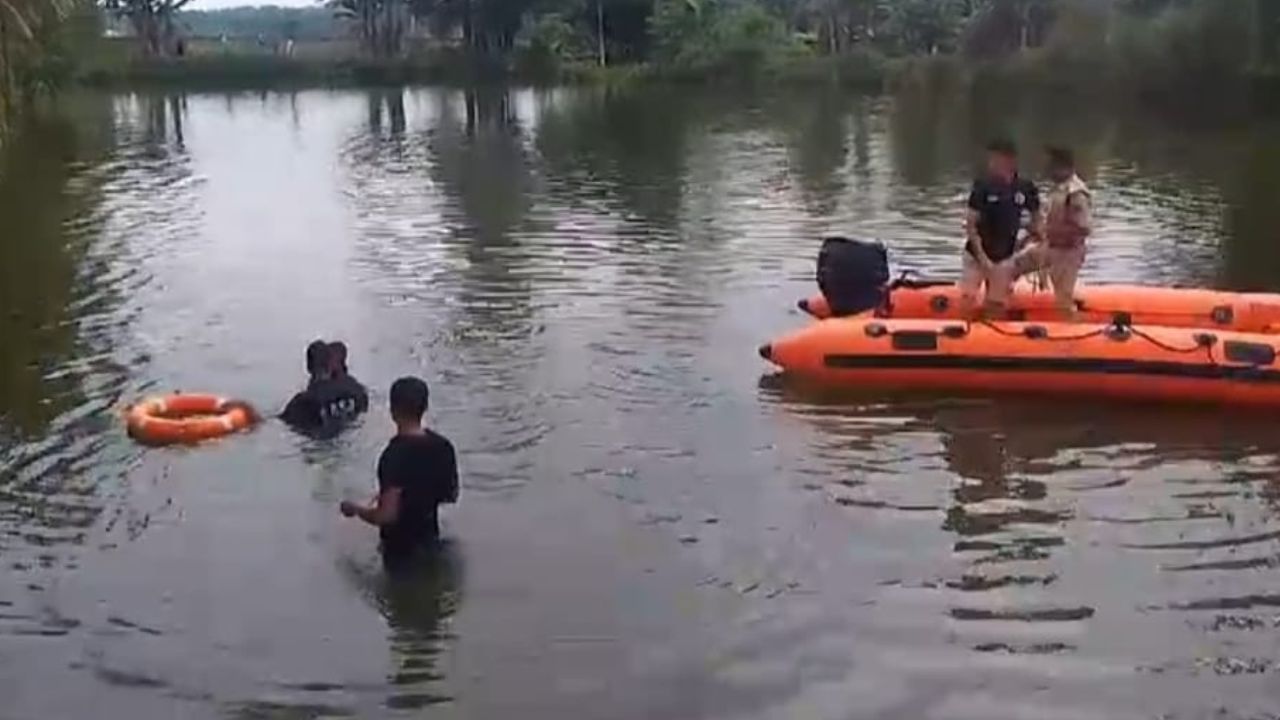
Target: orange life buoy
x=176 y=419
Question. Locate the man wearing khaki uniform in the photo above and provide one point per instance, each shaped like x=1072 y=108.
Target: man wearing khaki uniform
x=1068 y=222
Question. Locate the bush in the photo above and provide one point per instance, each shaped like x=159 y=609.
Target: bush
x=544 y=43
x=715 y=37
x=1200 y=44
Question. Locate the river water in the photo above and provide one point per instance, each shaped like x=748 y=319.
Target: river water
x=650 y=525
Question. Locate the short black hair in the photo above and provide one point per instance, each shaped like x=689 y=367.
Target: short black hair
x=338 y=354
x=410 y=397
x=1003 y=146
x=1060 y=156
x=317 y=356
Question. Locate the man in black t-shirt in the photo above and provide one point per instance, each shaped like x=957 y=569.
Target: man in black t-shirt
x=999 y=204
x=418 y=472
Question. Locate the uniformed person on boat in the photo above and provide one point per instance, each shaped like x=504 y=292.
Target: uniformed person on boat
x=1000 y=203
x=1068 y=223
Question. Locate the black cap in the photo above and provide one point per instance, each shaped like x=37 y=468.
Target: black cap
x=317 y=356
x=338 y=351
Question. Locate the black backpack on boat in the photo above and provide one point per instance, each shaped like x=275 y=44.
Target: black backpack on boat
x=853 y=275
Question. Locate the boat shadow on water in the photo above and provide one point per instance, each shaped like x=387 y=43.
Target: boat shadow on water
x=1032 y=427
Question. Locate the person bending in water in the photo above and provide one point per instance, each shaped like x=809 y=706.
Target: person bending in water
x=348 y=397
x=418 y=472
x=332 y=397
x=303 y=410
x=996 y=208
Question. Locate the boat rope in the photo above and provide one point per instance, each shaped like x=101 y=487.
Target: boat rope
x=1170 y=348
x=1136 y=332
x=1061 y=338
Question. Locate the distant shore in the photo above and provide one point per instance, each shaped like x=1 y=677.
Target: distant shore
x=1079 y=79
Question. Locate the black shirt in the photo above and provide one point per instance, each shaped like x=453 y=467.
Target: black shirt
x=1000 y=207
x=425 y=468
x=327 y=404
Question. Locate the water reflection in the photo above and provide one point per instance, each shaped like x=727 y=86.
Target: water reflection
x=388 y=104
x=38 y=271
x=417 y=604
x=581 y=274
x=625 y=147
x=1036 y=488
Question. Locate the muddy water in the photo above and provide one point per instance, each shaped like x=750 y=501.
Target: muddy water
x=651 y=526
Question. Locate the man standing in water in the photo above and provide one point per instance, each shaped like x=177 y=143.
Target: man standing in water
x=997 y=205
x=418 y=472
x=1069 y=220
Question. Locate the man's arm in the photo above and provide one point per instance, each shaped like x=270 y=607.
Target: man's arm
x=973 y=241
x=384 y=511
x=1035 y=230
x=451 y=489
x=301 y=411
x=1081 y=213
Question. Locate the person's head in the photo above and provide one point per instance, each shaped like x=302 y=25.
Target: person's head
x=318 y=359
x=1062 y=163
x=1002 y=159
x=409 y=400
x=338 y=358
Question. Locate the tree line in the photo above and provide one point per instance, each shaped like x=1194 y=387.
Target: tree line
x=702 y=32
x=1168 y=40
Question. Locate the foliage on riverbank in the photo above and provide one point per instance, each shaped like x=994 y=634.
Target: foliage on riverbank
x=1163 y=49
x=1150 y=47
x=40 y=43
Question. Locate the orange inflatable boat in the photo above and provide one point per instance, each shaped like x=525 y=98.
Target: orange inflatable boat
x=1136 y=304
x=1088 y=360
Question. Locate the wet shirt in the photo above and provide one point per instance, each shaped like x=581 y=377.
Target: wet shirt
x=425 y=469
x=1000 y=207
x=327 y=404
x=341 y=400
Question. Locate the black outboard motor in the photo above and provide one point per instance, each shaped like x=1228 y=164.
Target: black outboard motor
x=853 y=275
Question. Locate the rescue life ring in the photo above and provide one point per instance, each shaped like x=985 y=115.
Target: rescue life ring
x=186 y=419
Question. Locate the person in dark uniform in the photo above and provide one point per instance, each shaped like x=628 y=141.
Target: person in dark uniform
x=303 y=410
x=332 y=397
x=999 y=204
x=348 y=395
x=417 y=472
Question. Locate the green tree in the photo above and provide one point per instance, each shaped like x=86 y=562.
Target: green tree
x=152 y=22
x=29 y=41
x=925 y=26
x=842 y=24
x=381 y=24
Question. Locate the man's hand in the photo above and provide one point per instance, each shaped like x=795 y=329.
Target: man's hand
x=348 y=508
